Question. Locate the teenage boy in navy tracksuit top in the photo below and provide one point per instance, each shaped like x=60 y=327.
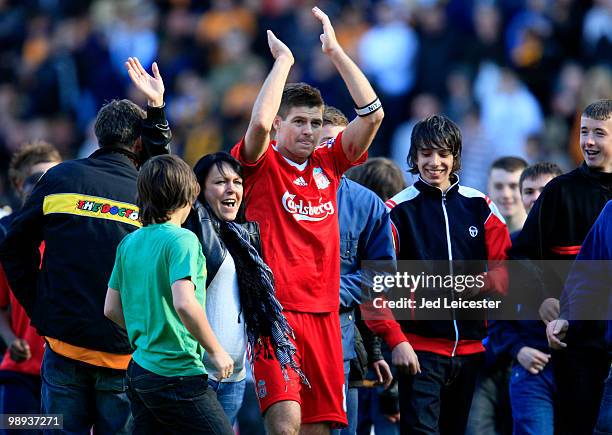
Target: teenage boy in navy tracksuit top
x=437 y=219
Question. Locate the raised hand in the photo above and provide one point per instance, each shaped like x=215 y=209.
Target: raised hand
x=329 y=43
x=278 y=47
x=150 y=85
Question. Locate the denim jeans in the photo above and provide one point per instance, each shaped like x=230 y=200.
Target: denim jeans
x=352 y=405
x=438 y=399
x=19 y=394
x=604 y=421
x=174 y=405
x=533 y=400
x=85 y=395
x=229 y=395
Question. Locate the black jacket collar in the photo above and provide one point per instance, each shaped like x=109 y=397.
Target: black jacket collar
x=120 y=154
x=600 y=178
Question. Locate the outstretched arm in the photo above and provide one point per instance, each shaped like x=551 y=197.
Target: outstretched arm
x=156 y=134
x=268 y=101
x=359 y=134
x=150 y=85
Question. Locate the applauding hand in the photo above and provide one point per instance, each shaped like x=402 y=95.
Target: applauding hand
x=278 y=48
x=329 y=43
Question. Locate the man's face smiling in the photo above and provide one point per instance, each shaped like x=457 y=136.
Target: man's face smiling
x=435 y=167
x=299 y=133
x=596 y=143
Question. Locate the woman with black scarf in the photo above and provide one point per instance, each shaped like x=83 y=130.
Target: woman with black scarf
x=240 y=302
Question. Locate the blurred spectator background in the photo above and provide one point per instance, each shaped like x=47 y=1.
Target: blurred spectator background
x=515 y=74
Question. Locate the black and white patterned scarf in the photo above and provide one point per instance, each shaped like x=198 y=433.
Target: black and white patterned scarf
x=266 y=326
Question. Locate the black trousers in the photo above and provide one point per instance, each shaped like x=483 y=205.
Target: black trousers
x=580 y=374
x=438 y=400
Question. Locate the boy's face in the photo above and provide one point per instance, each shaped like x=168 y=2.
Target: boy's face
x=532 y=188
x=596 y=143
x=298 y=134
x=435 y=166
x=504 y=191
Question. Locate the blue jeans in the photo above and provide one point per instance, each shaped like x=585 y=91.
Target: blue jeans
x=19 y=394
x=533 y=400
x=438 y=399
x=604 y=421
x=174 y=405
x=86 y=395
x=229 y=395
x=351 y=402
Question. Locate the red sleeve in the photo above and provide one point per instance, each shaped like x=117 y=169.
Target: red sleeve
x=249 y=168
x=497 y=240
x=4 y=289
x=382 y=323
x=341 y=161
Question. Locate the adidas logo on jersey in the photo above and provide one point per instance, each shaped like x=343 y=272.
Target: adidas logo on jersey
x=300 y=181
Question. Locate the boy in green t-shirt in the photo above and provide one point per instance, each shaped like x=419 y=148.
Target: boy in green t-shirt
x=156 y=292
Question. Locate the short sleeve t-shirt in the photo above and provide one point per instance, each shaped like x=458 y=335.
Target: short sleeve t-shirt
x=296 y=208
x=148 y=262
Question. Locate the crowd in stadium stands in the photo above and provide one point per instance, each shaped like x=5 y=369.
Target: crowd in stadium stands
x=510 y=97
x=510 y=72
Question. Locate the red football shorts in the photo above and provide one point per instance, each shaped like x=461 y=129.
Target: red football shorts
x=319 y=353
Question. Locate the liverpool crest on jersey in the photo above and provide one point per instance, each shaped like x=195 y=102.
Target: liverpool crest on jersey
x=320 y=178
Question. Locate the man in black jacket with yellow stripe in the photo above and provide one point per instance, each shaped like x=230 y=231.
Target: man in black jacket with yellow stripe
x=80 y=210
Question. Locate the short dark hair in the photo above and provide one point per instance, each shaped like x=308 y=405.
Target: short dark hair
x=509 y=164
x=435 y=132
x=203 y=167
x=119 y=124
x=165 y=184
x=600 y=110
x=381 y=175
x=537 y=170
x=333 y=116
x=30 y=154
x=299 y=95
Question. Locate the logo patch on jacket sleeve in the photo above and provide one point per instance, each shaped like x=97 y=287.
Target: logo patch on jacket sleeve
x=473 y=231
x=91 y=206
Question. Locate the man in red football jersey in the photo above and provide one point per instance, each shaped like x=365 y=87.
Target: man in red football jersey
x=290 y=189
